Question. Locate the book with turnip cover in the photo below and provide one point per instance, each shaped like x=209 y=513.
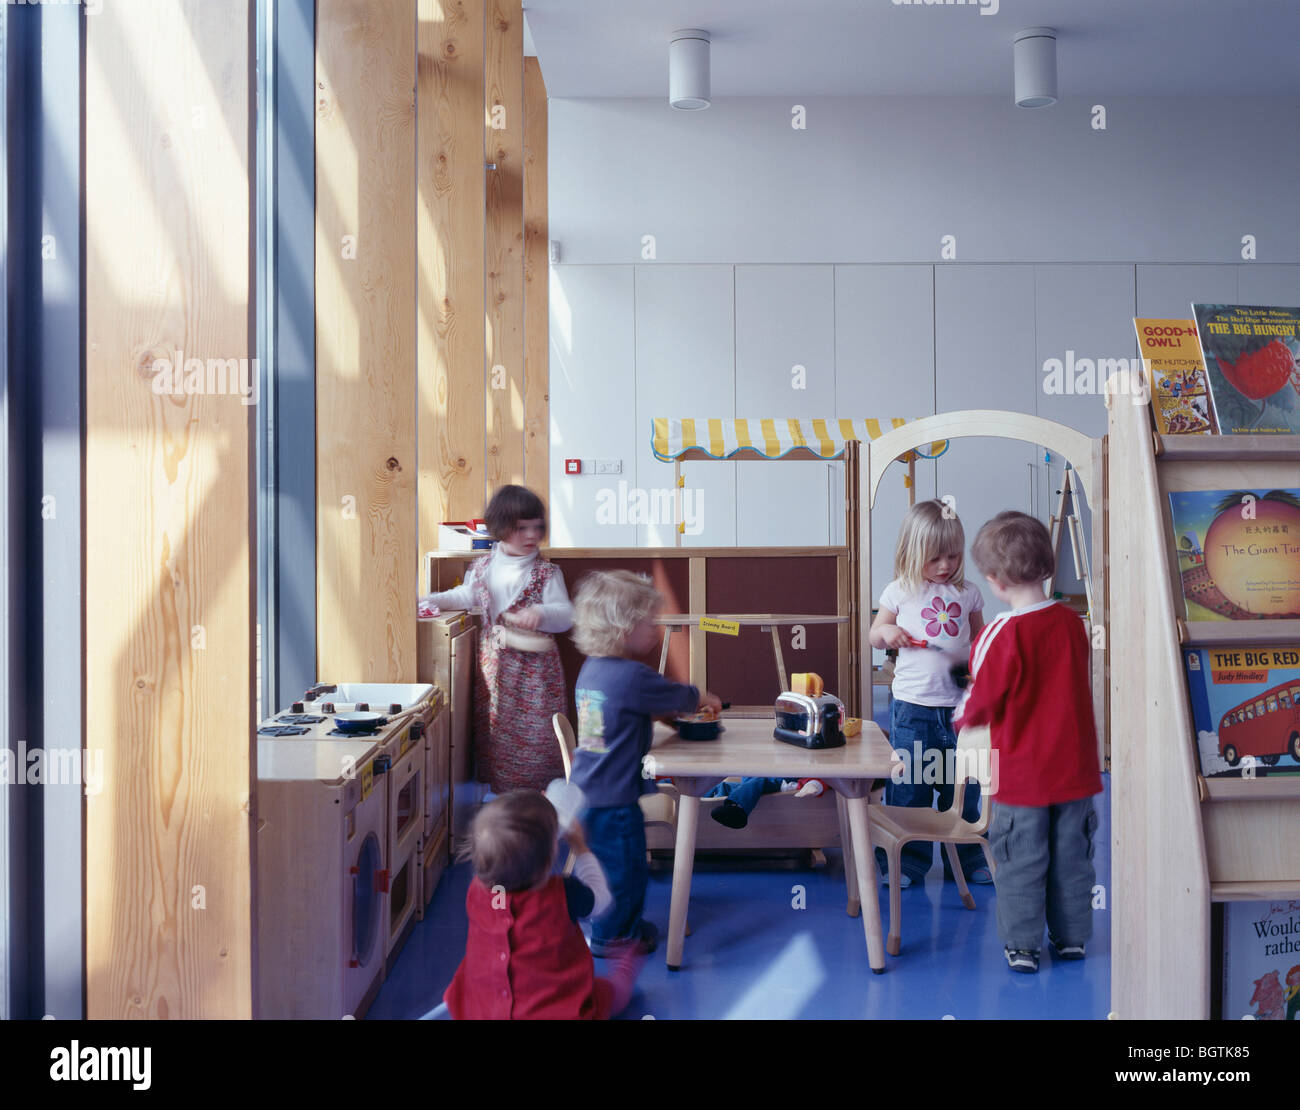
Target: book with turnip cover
x=1238 y=553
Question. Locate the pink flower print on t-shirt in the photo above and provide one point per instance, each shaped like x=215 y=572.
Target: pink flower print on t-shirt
x=941 y=617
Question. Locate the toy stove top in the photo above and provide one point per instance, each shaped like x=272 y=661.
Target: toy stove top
x=312 y=718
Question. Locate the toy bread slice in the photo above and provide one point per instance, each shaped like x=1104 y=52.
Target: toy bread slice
x=808 y=684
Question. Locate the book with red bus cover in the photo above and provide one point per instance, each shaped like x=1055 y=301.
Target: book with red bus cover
x=1238 y=553
x=1246 y=707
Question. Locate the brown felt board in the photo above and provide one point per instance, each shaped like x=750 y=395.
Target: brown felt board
x=742 y=669
x=670 y=578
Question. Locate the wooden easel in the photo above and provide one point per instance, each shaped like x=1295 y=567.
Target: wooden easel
x=1065 y=522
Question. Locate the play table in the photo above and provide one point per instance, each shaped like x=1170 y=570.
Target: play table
x=746 y=747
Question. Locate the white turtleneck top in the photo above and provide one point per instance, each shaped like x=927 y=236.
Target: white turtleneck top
x=507 y=576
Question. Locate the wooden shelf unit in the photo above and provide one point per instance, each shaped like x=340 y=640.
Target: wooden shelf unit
x=1179 y=841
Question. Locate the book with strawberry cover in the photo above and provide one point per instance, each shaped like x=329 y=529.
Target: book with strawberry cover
x=1238 y=553
x=1250 y=354
x=1175 y=373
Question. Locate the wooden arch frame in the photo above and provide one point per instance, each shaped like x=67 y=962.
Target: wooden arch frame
x=1085 y=455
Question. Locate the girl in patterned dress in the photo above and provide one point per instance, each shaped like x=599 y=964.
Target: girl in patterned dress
x=520 y=682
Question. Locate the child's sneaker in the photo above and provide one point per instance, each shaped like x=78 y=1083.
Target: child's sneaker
x=730 y=814
x=1021 y=959
x=641 y=943
x=981 y=876
x=904 y=881
x=1068 y=951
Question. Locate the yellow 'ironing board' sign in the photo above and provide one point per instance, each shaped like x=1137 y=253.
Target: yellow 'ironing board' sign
x=770 y=439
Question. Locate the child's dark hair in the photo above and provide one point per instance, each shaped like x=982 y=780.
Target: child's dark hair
x=512 y=840
x=510 y=505
x=1016 y=548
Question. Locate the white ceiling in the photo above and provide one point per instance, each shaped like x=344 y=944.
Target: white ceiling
x=619 y=48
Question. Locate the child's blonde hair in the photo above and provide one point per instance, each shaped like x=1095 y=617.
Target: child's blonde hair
x=608 y=606
x=930 y=529
x=512 y=840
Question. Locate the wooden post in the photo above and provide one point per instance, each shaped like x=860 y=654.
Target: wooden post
x=365 y=339
x=696 y=636
x=452 y=199
x=866 y=498
x=1160 y=914
x=677 y=502
x=504 y=135
x=169 y=511
x=537 y=433
x=848 y=636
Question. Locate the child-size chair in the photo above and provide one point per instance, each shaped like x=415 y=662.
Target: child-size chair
x=894 y=826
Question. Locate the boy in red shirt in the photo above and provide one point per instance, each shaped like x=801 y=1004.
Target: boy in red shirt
x=1029 y=684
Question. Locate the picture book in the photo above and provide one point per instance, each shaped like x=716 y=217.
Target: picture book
x=1171 y=357
x=1238 y=553
x=1250 y=363
x=1261 y=960
x=1246 y=707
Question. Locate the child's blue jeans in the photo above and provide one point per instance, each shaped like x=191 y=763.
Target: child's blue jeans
x=616 y=837
x=923 y=736
x=747 y=792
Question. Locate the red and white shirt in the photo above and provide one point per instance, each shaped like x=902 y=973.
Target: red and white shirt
x=1029 y=684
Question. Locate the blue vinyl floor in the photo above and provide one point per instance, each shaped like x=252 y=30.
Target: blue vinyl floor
x=752 y=954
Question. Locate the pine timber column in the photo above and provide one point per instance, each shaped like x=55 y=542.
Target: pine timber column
x=452 y=204
x=168 y=511
x=505 y=243
x=537 y=373
x=365 y=340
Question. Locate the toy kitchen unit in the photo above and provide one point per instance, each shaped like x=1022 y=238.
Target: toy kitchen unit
x=352 y=806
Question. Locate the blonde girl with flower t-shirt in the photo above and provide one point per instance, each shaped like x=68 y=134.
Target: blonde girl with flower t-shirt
x=929 y=602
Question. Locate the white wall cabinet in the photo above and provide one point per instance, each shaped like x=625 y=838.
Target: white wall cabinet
x=593 y=384
x=685 y=367
x=1083 y=318
x=884 y=361
x=984 y=358
x=785 y=367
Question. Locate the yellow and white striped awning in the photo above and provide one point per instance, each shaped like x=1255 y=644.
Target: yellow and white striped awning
x=672 y=437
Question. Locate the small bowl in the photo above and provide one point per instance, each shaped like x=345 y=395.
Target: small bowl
x=688 y=729
x=358 y=722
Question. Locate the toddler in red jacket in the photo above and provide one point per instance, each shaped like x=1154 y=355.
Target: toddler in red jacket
x=525 y=956
x=1029 y=684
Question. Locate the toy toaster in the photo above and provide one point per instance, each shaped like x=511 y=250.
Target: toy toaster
x=808 y=717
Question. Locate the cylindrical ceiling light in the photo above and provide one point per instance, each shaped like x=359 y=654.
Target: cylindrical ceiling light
x=1035 y=54
x=688 y=70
